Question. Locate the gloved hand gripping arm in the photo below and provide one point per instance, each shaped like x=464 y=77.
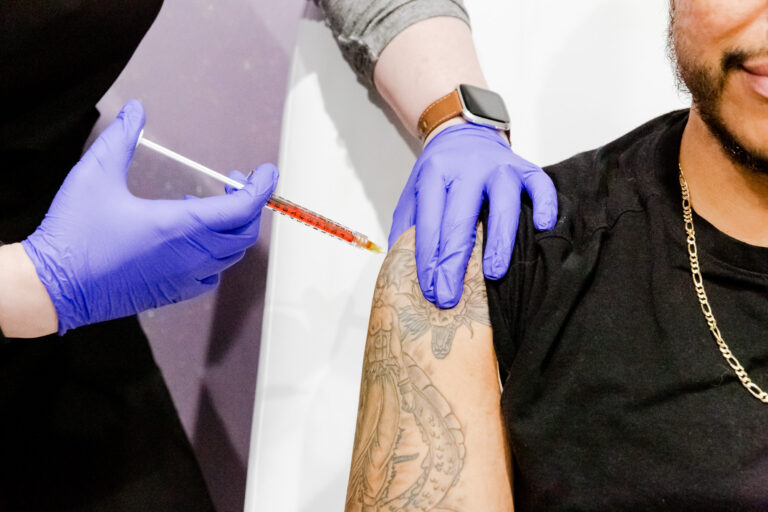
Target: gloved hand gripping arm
x=102 y=253
x=461 y=168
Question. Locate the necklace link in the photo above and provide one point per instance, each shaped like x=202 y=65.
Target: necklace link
x=706 y=309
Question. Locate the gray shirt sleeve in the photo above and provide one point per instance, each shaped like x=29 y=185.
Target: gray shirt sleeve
x=364 y=27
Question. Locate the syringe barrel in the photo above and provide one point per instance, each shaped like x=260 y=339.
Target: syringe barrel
x=315 y=220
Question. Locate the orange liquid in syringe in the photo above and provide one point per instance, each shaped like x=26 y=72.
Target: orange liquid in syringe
x=315 y=221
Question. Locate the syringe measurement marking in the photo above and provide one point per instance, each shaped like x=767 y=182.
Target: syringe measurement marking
x=317 y=223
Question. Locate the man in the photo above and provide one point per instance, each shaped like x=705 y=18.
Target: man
x=630 y=339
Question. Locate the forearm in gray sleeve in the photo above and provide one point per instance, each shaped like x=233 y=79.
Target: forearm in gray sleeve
x=363 y=28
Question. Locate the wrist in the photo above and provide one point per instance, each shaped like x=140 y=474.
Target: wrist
x=26 y=310
x=446 y=124
x=424 y=62
x=475 y=105
x=460 y=124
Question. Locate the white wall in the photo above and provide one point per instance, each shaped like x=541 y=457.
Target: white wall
x=574 y=74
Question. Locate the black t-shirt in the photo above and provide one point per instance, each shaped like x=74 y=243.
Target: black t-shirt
x=615 y=394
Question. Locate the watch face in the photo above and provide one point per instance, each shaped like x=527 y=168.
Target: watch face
x=484 y=103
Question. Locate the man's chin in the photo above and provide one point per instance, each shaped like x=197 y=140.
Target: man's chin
x=738 y=150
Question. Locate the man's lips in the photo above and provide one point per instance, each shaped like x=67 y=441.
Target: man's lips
x=757 y=75
x=756 y=67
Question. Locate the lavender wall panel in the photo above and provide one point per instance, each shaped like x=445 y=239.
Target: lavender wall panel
x=212 y=76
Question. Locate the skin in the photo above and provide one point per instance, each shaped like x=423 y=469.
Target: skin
x=26 y=310
x=731 y=196
x=430 y=436
x=424 y=62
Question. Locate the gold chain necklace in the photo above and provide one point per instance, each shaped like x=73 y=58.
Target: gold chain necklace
x=698 y=282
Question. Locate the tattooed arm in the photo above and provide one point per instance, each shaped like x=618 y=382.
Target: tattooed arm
x=429 y=431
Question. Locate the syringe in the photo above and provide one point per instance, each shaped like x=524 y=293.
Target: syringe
x=275 y=202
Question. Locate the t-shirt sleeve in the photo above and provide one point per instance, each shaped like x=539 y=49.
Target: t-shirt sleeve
x=511 y=297
x=537 y=284
x=550 y=270
x=364 y=29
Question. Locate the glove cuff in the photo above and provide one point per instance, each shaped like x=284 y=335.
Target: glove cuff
x=59 y=286
x=469 y=128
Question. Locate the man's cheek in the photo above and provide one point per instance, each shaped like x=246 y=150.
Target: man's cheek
x=716 y=25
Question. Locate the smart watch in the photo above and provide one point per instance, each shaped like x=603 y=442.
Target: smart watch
x=475 y=104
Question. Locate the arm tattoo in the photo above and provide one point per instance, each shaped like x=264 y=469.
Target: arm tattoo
x=409 y=446
x=419 y=316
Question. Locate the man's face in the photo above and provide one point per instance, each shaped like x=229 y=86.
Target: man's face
x=721 y=48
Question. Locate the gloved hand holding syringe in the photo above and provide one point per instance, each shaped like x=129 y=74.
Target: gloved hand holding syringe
x=102 y=253
x=275 y=202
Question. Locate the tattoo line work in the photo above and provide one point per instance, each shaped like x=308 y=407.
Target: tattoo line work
x=409 y=445
x=421 y=316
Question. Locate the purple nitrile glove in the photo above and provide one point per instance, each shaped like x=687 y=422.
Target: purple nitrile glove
x=103 y=253
x=458 y=170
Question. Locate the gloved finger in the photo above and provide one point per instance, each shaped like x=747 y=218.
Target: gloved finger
x=188 y=197
x=240 y=207
x=186 y=287
x=430 y=206
x=222 y=244
x=215 y=266
x=237 y=176
x=195 y=287
x=503 y=219
x=114 y=148
x=544 y=197
x=457 y=238
x=404 y=215
x=210 y=280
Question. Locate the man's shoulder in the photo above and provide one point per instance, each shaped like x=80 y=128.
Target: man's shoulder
x=595 y=187
x=640 y=144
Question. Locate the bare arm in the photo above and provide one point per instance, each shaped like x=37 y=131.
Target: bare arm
x=26 y=310
x=429 y=430
x=425 y=62
x=413 y=51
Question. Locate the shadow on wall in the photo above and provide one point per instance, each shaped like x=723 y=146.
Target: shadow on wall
x=221 y=435
x=381 y=183
x=227 y=483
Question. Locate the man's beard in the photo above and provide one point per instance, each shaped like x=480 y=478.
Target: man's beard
x=706 y=87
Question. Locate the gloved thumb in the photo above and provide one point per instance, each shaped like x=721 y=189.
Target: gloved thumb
x=114 y=148
x=238 y=207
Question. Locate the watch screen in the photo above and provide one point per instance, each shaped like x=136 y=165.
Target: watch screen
x=484 y=103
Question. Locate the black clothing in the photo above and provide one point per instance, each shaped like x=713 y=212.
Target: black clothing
x=615 y=394
x=57 y=59
x=86 y=422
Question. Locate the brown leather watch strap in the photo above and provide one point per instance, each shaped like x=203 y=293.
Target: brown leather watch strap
x=441 y=110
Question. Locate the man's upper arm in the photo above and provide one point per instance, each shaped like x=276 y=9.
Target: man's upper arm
x=429 y=431
x=363 y=29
